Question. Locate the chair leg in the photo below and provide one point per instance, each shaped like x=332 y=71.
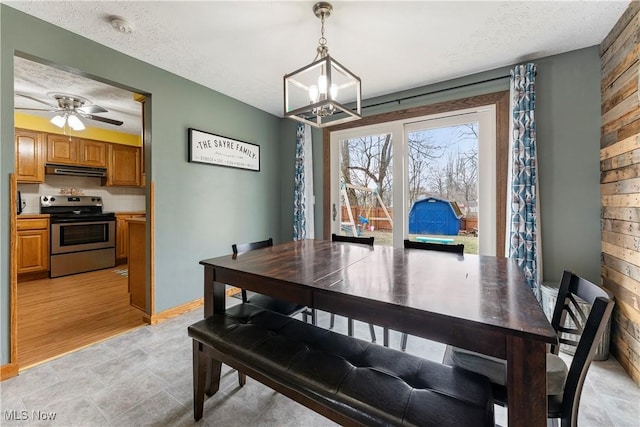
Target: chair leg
x=242 y=379
x=350 y=326
x=373 y=333
x=403 y=341
x=332 y=321
x=385 y=337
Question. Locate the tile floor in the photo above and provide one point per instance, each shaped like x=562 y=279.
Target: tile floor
x=143 y=378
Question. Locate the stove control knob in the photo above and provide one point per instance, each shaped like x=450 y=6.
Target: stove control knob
x=53 y=199
x=45 y=198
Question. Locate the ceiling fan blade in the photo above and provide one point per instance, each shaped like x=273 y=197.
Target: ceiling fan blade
x=37 y=100
x=103 y=119
x=35 y=109
x=92 y=109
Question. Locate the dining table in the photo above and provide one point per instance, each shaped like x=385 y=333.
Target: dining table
x=480 y=303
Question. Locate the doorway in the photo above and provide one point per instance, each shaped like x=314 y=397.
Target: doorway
x=492 y=109
x=88 y=307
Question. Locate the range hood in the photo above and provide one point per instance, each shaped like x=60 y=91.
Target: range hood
x=51 y=169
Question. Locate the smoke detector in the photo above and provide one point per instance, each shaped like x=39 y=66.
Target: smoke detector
x=121 y=25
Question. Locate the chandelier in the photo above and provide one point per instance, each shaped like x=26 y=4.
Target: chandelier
x=316 y=94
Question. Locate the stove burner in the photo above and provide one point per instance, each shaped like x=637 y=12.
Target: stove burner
x=74 y=209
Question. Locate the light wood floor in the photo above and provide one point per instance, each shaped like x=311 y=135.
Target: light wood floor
x=56 y=316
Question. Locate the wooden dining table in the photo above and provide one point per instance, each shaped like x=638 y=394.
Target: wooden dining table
x=480 y=303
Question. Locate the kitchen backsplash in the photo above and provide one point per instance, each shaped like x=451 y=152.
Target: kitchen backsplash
x=114 y=199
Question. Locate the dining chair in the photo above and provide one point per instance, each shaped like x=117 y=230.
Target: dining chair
x=564 y=383
x=441 y=247
x=361 y=241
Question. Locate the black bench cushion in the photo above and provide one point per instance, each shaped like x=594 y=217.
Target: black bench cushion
x=372 y=384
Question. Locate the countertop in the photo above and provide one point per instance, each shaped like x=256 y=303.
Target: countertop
x=130 y=213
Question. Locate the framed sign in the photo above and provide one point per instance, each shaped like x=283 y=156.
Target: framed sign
x=218 y=150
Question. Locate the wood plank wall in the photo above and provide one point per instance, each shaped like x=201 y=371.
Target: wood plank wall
x=620 y=184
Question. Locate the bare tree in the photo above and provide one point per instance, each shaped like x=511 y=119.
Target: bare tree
x=369 y=164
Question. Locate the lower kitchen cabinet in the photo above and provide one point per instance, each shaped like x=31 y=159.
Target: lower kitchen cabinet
x=33 y=245
x=122 y=235
x=138 y=263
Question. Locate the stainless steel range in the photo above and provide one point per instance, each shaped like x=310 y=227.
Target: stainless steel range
x=82 y=236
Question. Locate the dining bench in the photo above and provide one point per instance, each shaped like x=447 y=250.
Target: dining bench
x=348 y=380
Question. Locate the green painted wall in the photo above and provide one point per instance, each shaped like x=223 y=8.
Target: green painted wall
x=200 y=210
x=568 y=130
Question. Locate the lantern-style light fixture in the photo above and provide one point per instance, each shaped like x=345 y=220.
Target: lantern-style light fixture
x=317 y=93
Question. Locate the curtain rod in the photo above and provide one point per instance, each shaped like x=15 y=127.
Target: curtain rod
x=399 y=100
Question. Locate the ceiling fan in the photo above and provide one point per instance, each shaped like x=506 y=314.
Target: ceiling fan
x=70 y=109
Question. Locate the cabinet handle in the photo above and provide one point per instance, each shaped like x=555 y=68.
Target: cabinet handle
x=334 y=212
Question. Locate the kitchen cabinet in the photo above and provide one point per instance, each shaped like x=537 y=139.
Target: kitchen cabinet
x=65 y=150
x=29 y=156
x=122 y=235
x=33 y=245
x=124 y=166
x=138 y=263
x=92 y=153
x=62 y=149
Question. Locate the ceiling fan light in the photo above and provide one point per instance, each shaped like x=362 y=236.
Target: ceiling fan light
x=75 y=123
x=58 y=121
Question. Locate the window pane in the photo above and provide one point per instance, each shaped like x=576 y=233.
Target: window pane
x=366 y=175
x=442 y=168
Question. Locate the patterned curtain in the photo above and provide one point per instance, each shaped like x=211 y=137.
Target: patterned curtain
x=303 y=219
x=524 y=233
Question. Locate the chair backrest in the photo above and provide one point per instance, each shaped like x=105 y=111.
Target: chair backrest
x=589 y=327
x=442 y=247
x=351 y=239
x=246 y=247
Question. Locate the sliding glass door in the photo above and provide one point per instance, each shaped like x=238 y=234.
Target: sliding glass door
x=429 y=179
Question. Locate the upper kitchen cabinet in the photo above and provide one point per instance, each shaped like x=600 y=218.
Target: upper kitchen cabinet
x=29 y=156
x=65 y=150
x=62 y=149
x=125 y=166
x=92 y=153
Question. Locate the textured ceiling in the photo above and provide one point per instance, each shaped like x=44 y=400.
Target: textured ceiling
x=243 y=48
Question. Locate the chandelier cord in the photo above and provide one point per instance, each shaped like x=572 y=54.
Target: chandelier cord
x=322 y=50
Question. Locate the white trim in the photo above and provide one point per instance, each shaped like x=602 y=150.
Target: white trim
x=310 y=199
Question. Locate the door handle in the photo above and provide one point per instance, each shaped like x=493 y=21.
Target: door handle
x=334 y=212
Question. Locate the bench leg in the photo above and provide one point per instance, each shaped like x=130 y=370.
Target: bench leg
x=212 y=376
x=202 y=366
